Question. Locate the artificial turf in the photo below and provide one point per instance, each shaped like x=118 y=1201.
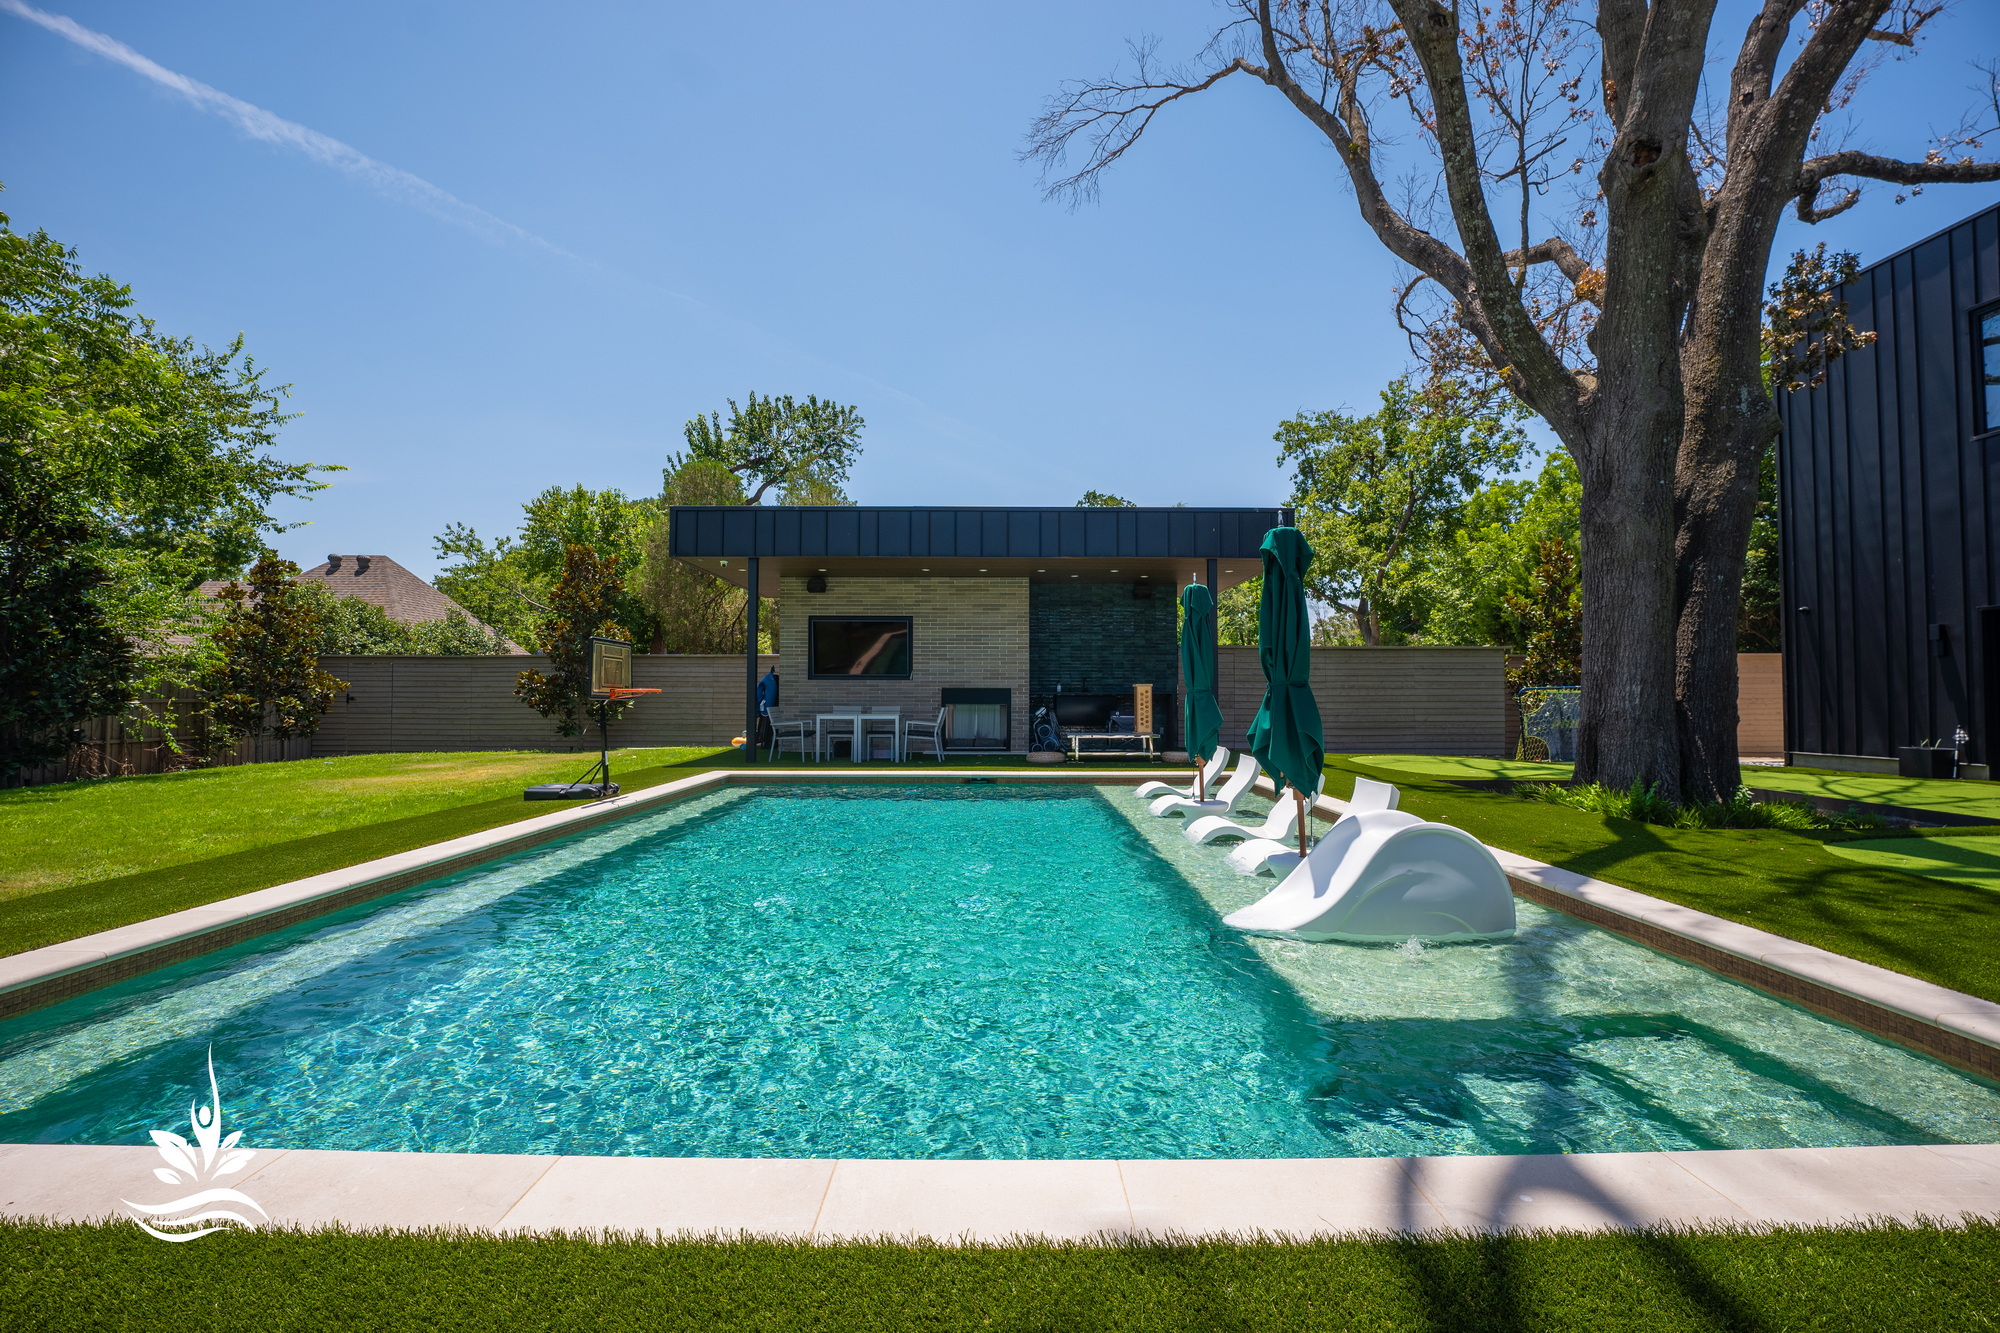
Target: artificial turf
x=1790 y=883
x=1881 y=1279
x=80 y=857
x=1947 y=796
x=1973 y=860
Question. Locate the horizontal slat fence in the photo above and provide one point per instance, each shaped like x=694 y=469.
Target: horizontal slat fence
x=468 y=703
x=1420 y=700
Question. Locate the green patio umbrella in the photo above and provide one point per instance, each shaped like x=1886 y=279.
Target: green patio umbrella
x=1286 y=737
x=1201 y=716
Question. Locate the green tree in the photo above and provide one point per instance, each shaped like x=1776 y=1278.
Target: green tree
x=1377 y=495
x=61 y=658
x=1551 y=613
x=1493 y=555
x=507 y=584
x=582 y=605
x=1100 y=500
x=1760 y=626
x=695 y=611
x=267 y=677
x=140 y=466
x=349 y=625
x=779 y=443
x=1236 y=614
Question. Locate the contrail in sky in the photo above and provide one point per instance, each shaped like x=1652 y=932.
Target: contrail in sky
x=398 y=184
x=261 y=124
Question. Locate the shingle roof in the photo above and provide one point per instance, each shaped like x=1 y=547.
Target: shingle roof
x=377 y=579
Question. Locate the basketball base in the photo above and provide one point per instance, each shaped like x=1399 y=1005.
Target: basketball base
x=571 y=791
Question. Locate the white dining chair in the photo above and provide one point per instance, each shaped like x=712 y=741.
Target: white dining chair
x=870 y=721
x=929 y=733
x=796 y=730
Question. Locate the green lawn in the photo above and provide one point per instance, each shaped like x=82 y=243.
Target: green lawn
x=87 y=856
x=1967 y=860
x=1467 y=767
x=1792 y=884
x=1948 y=795
x=1953 y=796
x=1886 y=1279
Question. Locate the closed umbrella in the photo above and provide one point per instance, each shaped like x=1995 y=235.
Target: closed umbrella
x=1201 y=716
x=1287 y=738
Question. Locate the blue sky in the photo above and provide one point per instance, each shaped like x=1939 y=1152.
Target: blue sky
x=792 y=198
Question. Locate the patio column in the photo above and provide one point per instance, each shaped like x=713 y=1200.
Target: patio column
x=750 y=668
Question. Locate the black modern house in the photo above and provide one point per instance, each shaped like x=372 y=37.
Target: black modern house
x=981 y=615
x=1889 y=478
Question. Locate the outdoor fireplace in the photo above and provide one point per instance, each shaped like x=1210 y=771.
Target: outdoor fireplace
x=977 y=719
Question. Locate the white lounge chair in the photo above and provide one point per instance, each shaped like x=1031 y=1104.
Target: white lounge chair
x=1222 y=803
x=1280 y=854
x=1210 y=771
x=1283 y=822
x=1385 y=875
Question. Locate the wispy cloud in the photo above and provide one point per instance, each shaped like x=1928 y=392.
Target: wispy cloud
x=263 y=125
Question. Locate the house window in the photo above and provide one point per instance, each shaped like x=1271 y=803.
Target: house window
x=1989 y=370
x=877 y=647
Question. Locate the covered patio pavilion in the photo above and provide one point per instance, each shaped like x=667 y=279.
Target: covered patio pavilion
x=995 y=606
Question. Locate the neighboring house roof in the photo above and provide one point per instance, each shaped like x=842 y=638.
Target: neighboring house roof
x=377 y=579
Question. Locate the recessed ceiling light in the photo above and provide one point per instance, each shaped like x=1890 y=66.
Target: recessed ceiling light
x=1041 y=571
x=1076 y=576
x=822 y=570
x=927 y=569
x=1114 y=571
x=1145 y=576
x=982 y=571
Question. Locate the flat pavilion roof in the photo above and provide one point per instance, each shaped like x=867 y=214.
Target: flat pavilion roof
x=1164 y=546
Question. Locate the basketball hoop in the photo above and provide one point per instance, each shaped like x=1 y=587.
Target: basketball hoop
x=610 y=682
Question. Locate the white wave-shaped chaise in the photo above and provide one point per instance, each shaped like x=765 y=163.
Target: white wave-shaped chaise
x=1281 y=853
x=1222 y=803
x=1211 y=769
x=1385 y=875
x=1277 y=829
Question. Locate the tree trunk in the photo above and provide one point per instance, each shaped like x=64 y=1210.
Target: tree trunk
x=1626 y=732
x=1717 y=498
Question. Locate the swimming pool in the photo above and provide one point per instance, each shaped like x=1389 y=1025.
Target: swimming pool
x=942 y=971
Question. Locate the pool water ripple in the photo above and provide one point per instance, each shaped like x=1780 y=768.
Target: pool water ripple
x=942 y=972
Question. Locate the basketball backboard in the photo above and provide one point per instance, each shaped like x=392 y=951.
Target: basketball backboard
x=610 y=667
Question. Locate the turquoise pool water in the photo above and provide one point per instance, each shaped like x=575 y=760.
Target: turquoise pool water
x=941 y=972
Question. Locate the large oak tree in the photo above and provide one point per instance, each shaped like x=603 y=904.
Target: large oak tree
x=1631 y=322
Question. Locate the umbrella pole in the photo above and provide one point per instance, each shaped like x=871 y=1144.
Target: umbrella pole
x=1301 y=798
x=1198 y=787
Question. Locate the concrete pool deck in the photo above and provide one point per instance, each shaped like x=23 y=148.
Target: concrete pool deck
x=986 y=1201
x=991 y=1200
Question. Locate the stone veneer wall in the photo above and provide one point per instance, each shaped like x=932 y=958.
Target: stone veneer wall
x=1100 y=639
x=964 y=633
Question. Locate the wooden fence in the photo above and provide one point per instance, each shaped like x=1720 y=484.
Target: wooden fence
x=1386 y=700
x=1422 y=700
x=106 y=747
x=468 y=703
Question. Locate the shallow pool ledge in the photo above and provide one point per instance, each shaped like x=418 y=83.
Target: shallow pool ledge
x=44 y=976
x=1961 y=1030
x=985 y=1201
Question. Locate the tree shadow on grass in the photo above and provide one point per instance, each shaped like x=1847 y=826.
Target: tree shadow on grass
x=1784 y=882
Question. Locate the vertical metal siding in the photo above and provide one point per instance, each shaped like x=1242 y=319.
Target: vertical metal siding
x=1888 y=511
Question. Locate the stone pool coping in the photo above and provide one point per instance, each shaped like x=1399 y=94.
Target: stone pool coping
x=956 y=1201
x=39 y=977
x=1960 y=1030
x=987 y=1201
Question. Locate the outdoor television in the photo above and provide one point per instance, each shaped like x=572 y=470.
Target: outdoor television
x=874 y=646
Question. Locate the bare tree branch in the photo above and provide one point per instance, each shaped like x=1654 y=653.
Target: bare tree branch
x=1813 y=172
